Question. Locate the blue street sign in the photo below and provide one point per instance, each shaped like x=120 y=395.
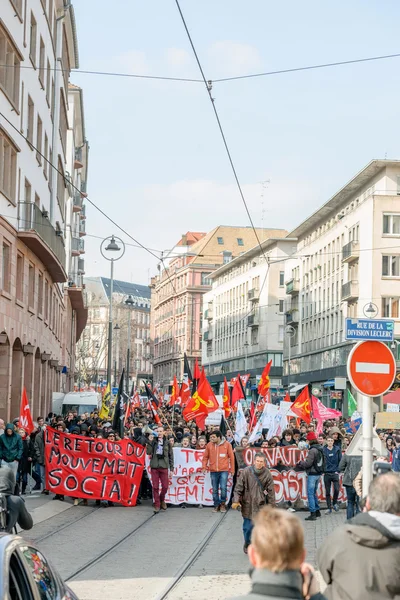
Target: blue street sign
x=378 y=330
x=114 y=391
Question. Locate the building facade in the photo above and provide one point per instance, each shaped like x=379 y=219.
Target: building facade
x=134 y=319
x=178 y=290
x=243 y=319
x=40 y=320
x=348 y=265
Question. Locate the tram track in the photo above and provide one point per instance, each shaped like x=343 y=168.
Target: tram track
x=65 y=526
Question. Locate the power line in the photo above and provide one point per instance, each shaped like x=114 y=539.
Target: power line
x=307 y=68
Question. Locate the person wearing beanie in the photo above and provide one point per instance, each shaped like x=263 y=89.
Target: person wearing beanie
x=396 y=455
x=314 y=466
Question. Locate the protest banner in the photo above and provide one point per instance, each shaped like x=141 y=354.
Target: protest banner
x=188 y=484
x=387 y=420
x=93 y=468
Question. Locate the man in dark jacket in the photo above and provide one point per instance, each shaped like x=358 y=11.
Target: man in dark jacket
x=254 y=489
x=350 y=467
x=314 y=467
x=360 y=560
x=276 y=554
x=39 y=452
x=396 y=455
x=11 y=448
x=333 y=456
x=161 y=461
x=16 y=509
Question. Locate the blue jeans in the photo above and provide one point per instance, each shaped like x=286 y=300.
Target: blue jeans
x=247 y=529
x=219 y=480
x=312 y=486
x=352 y=502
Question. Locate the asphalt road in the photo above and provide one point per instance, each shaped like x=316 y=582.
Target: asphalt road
x=126 y=553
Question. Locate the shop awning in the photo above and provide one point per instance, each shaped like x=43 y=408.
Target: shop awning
x=329 y=383
x=296 y=388
x=392 y=398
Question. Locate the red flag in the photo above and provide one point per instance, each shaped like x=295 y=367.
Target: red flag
x=25 y=417
x=265 y=383
x=302 y=405
x=226 y=399
x=287 y=397
x=196 y=372
x=175 y=398
x=201 y=403
x=202 y=377
x=237 y=392
x=185 y=390
x=135 y=401
x=155 y=413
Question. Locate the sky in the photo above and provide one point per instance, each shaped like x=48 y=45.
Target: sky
x=157 y=164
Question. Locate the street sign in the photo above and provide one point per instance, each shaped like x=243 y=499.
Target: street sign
x=114 y=391
x=371 y=368
x=380 y=330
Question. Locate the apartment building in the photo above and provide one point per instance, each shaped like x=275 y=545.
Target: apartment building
x=243 y=319
x=132 y=317
x=178 y=290
x=348 y=265
x=41 y=316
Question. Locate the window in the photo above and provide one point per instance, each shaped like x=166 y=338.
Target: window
x=240 y=242
x=391 y=266
x=46 y=155
x=281 y=306
x=37 y=200
x=281 y=278
x=60 y=186
x=5 y=271
x=31 y=286
x=20 y=278
x=47 y=588
x=46 y=300
x=220 y=241
x=31 y=114
x=10 y=60
x=205 y=279
x=40 y=294
x=42 y=58
x=8 y=167
x=390 y=308
x=391 y=224
x=48 y=83
x=17 y=4
x=51 y=168
x=32 y=46
x=27 y=191
x=52 y=98
x=39 y=137
x=63 y=122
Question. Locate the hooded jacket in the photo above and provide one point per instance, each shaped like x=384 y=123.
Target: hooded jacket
x=219 y=457
x=351 y=466
x=361 y=560
x=10 y=445
x=17 y=511
x=267 y=585
x=313 y=456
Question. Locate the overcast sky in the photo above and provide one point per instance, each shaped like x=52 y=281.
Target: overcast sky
x=157 y=164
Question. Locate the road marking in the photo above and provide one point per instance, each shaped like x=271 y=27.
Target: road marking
x=364 y=367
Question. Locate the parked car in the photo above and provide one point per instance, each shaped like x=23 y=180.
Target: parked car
x=26 y=574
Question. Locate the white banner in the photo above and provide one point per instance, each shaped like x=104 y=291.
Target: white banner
x=392 y=407
x=188 y=484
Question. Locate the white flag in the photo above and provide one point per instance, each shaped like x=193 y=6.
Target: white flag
x=241 y=424
x=257 y=431
x=269 y=419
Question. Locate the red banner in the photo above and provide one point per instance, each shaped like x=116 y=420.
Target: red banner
x=288 y=456
x=93 y=468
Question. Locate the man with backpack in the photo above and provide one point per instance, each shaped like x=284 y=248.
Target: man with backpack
x=314 y=466
x=12 y=508
x=254 y=489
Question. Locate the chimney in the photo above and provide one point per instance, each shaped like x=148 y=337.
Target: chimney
x=184 y=239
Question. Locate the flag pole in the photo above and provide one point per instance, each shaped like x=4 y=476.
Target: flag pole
x=255 y=411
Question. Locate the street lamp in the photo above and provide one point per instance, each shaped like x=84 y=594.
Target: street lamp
x=290 y=333
x=110 y=245
x=129 y=302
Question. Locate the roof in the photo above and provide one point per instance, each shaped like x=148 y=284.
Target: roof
x=100 y=286
x=334 y=204
x=191 y=238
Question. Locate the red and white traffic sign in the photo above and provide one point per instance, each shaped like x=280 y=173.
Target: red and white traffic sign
x=371 y=368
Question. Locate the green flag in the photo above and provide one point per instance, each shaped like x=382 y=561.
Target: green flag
x=351 y=402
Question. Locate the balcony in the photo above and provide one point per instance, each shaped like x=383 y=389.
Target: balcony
x=252 y=321
x=77 y=202
x=253 y=294
x=81 y=266
x=82 y=228
x=75 y=246
x=75 y=280
x=207 y=336
x=292 y=286
x=350 y=252
x=292 y=317
x=81 y=246
x=208 y=314
x=83 y=212
x=78 y=162
x=36 y=232
x=350 y=291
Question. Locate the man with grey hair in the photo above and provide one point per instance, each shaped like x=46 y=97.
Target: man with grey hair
x=361 y=559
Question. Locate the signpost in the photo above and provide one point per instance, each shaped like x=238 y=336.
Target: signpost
x=371 y=368
x=380 y=330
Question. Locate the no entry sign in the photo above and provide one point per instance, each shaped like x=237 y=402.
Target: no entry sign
x=371 y=368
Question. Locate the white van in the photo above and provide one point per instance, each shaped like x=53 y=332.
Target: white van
x=81 y=402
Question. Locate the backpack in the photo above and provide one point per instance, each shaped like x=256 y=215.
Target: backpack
x=320 y=462
x=3 y=512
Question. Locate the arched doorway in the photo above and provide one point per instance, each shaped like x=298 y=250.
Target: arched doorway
x=35 y=401
x=4 y=373
x=16 y=378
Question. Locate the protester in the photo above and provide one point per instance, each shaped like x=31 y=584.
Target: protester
x=254 y=488
x=277 y=556
x=25 y=462
x=333 y=455
x=161 y=461
x=39 y=453
x=11 y=448
x=219 y=459
x=350 y=466
x=287 y=438
x=16 y=509
x=360 y=560
x=314 y=465
x=396 y=455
